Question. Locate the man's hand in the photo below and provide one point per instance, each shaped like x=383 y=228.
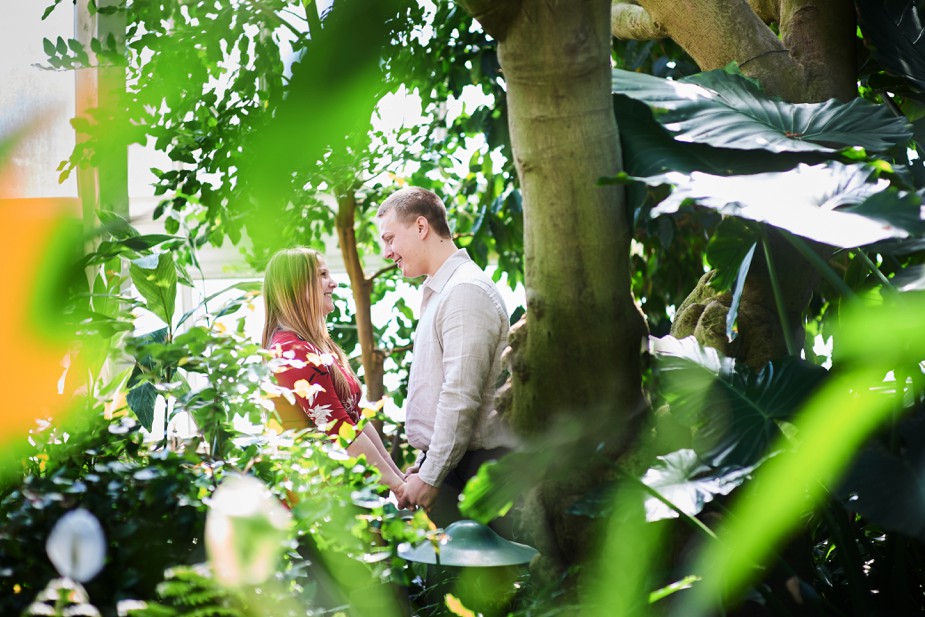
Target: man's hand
x=413 y=469
x=418 y=493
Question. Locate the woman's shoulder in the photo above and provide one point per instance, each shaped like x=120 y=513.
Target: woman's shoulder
x=287 y=340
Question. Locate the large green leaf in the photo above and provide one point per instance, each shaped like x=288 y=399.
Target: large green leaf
x=887 y=486
x=735 y=410
x=682 y=479
x=729 y=111
x=726 y=250
x=155 y=277
x=894 y=31
x=835 y=204
x=649 y=149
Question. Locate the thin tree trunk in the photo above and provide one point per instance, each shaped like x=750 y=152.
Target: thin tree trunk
x=371 y=356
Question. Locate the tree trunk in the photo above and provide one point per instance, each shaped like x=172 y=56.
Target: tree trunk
x=580 y=356
x=371 y=356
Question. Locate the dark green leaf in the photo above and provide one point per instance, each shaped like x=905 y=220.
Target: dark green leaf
x=887 y=486
x=734 y=409
x=46 y=43
x=731 y=241
x=48 y=11
x=910 y=279
x=649 y=149
x=894 y=31
x=141 y=399
x=729 y=111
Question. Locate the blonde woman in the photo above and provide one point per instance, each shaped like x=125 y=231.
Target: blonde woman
x=298 y=291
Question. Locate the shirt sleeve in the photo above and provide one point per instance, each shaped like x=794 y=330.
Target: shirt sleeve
x=469 y=329
x=311 y=381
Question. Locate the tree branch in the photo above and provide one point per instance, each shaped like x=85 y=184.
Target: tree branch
x=495 y=16
x=380 y=272
x=820 y=35
x=394 y=350
x=717 y=32
x=630 y=21
x=767 y=11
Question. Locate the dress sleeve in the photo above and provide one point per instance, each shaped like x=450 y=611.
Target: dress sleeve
x=308 y=374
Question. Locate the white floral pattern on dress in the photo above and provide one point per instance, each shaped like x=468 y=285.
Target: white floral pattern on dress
x=321 y=415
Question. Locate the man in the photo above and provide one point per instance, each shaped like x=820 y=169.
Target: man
x=463 y=329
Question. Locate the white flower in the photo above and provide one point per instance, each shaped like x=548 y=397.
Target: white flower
x=321 y=415
x=306 y=390
x=77 y=546
x=245 y=531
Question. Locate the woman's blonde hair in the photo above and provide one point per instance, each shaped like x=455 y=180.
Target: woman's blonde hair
x=294 y=299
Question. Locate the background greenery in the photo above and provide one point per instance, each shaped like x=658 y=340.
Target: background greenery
x=789 y=487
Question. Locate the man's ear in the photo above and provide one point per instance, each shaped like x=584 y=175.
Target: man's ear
x=422 y=226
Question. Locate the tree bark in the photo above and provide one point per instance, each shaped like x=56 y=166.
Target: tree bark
x=580 y=356
x=716 y=33
x=371 y=356
x=628 y=20
x=820 y=37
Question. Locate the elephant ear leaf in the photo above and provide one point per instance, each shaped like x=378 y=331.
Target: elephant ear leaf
x=735 y=411
x=726 y=110
x=835 y=204
x=684 y=481
x=886 y=486
x=894 y=32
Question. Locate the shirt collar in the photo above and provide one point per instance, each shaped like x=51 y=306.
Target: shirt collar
x=441 y=277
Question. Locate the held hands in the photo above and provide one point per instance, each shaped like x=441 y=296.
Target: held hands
x=416 y=493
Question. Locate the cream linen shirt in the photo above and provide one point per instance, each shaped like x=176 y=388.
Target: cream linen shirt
x=457 y=359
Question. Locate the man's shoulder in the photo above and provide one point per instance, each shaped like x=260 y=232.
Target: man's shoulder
x=469 y=272
x=472 y=279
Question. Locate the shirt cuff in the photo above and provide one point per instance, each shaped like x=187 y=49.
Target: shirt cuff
x=432 y=473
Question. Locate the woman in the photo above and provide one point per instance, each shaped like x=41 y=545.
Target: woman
x=298 y=292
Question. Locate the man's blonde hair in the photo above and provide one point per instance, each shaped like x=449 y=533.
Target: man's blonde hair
x=294 y=299
x=412 y=202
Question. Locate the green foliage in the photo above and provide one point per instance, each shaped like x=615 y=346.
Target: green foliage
x=736 y=412
x=190 y=591
x=149 y=504
x=155 y=278
x=725 y=110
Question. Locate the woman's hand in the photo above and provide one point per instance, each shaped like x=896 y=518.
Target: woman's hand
x=399 y=492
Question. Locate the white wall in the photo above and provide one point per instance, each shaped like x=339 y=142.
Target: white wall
x=31 y=95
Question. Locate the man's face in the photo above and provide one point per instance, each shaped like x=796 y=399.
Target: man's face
x=402 y=243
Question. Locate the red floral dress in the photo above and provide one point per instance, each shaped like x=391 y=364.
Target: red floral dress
x=307 y=372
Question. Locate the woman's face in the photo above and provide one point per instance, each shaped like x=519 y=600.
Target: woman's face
x=327 y=287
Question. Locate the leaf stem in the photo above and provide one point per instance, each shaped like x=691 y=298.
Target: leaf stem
x=874 y=269
x=827 y=273
x=691 y=520
x=778 y=297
